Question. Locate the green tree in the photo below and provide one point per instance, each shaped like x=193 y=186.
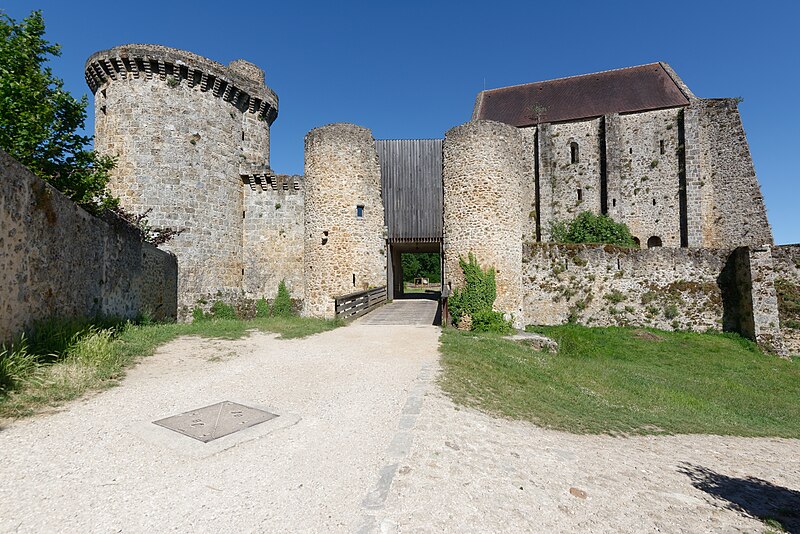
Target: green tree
x=590 y=228
x=424 y=264
x=40 y=121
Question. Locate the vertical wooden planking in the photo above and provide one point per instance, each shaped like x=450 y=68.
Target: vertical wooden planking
x=411 y=181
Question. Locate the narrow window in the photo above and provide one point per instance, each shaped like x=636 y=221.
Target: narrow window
x=103 y=109
x=103 y=93
x=580 y=195
x=243 y=214
x=654 y=242
x=360 y=211
x=661 y=146
x=242 y=135
x=354 y=279
x=573 y=152
x=630 y=151
x=654 y=202
x=325 y=237
x=613 y=202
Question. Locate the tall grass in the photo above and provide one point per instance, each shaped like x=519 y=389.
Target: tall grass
x=62 y=359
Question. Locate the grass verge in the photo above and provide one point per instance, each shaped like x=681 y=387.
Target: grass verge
x=65 y=359
x=625 y=380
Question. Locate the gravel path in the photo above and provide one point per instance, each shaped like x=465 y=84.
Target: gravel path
x=469 y=472
x=364 y=443
x=101 y=466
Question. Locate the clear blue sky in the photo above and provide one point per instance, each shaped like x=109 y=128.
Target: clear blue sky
x=412 y=69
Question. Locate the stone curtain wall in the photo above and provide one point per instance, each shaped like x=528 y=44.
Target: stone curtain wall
x=483 y=172
x=56 y=260
x=183 y=129
x=786 y=262
x=344 y=253
x=643 y=183
x=273 y=237
x=605 y=286
x=665 y=288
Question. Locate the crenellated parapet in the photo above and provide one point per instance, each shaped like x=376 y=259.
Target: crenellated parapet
x=241 y=83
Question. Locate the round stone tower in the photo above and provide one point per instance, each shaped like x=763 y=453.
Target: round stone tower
x=344 y=223
x=185 y=131
x=483 y=169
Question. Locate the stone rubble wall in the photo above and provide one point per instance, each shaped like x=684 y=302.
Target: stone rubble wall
x=182 y=129
x=664 y=288
x=734 y=214
x=786 y=263
x=560 y=180
x=600 y=285
x=342 y=253
x=483 y=172
x=643 y=183
x=273 y=237
x=57 y=261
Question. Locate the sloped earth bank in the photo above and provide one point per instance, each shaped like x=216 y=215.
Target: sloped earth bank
x=364 y=442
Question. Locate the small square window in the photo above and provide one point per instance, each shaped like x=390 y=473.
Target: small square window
x=360 y=211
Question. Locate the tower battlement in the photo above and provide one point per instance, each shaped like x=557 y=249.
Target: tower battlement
x=241 y=83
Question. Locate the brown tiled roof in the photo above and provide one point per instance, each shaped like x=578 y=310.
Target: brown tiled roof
x=642 y=88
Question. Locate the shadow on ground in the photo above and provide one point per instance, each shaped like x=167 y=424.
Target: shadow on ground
x=752 y=496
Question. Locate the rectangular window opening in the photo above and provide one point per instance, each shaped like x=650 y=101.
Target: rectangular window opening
x=580 y=194
x=354 y=279
x=360 y=212
x=661 y=147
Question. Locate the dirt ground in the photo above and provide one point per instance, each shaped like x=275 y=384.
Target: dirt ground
x=365 y=442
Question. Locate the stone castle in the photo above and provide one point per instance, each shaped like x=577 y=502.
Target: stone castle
x=191 y=137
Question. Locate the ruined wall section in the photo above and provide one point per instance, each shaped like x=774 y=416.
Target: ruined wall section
x=184 y=130
x=786 y=264
x=57 y=261
x=644 y=174
x=568 y=188
x=608 y=286
x=739 y=215
x=273 y=240
x=483 y=172
x=343 y=252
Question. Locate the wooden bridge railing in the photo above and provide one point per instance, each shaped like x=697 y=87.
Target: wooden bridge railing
x=357 y=304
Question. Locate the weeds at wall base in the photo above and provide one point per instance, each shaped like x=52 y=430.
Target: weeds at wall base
x=74 y=357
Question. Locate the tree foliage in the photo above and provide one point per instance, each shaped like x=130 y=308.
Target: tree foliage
x=590 y=228
x=421 y=264
x=40 y=121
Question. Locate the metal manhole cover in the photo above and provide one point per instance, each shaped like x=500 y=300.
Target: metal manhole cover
x=212 y=422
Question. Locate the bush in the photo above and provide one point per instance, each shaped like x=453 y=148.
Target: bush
x=490 y=321
x=282 y=306
x=262 y=308
x=476 y=298
x=16 y=366
x=198 y=315
x=220 y=310
x=590 y=228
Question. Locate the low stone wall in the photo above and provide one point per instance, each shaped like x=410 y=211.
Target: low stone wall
x=786 y=262
x=604 y=285
x=56 y=260
x=670 y=289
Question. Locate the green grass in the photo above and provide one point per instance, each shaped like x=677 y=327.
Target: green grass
x=66 y=359
x=624 y=380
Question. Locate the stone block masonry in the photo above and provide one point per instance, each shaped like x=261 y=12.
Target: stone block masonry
x=56 y=260
x=345 y=246
x=786 y=264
